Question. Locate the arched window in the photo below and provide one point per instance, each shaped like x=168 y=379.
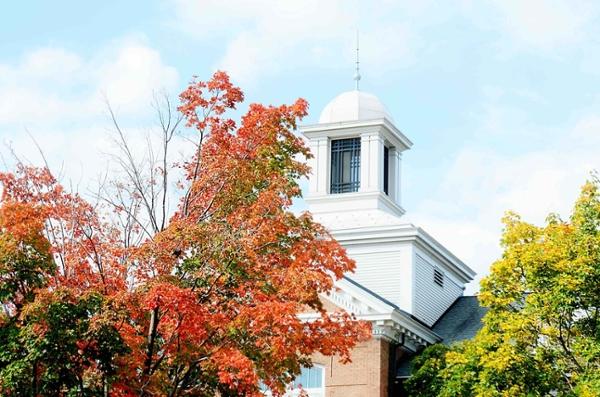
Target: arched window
x=312 y=381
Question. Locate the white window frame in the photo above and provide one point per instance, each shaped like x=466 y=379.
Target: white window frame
x=312 y=391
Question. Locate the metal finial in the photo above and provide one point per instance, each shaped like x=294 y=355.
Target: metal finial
x=357 y=72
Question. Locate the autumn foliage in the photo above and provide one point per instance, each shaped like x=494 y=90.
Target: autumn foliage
x=206 y=305
x=541 y=335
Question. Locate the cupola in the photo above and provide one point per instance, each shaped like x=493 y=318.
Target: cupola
x=357 y=159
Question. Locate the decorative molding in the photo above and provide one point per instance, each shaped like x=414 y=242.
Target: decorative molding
x=407 y=232
x=350 y=128
x=388 y=322
x=395 y=333
x=354 y=197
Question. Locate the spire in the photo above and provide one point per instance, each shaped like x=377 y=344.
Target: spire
x=357 y=72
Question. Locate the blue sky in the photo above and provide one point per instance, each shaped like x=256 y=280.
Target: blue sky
x=500 y=98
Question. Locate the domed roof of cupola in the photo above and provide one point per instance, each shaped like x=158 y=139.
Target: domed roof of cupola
x=354 y=106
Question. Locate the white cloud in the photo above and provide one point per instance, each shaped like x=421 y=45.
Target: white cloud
x=540 y=25
x=587 y=130
x=271 y=36
x=481 y=185
x=74 y=153
x=55 y=64
x=52 y=85
x=289 y=31
x=545 y=24
x=58 y=96
x=133 y=72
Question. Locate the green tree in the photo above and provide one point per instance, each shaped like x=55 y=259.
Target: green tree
x=541 y=335
x=49 y=338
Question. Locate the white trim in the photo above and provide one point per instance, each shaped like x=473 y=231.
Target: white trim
x=354 y=198
x=406 y=232
x=388 y=322
x=391 y=132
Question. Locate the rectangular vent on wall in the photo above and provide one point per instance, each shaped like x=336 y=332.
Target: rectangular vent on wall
x=438 y=277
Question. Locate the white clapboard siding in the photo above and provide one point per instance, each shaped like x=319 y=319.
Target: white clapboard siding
x=430 y=299
x=385 y=270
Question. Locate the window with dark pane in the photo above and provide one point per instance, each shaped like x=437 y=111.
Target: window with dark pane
x=386 y=170
x=345 y=165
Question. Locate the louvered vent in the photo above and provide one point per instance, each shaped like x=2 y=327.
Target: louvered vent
x=438 y=277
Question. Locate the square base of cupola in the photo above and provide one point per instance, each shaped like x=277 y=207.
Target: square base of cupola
x=351 y=202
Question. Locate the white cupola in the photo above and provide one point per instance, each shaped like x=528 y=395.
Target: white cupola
x=357 y=153
x=355 y=192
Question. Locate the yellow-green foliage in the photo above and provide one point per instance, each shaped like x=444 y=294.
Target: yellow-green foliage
x=541 y=336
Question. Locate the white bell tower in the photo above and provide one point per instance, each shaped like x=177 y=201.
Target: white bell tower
x=357 y=160
x=355 y=192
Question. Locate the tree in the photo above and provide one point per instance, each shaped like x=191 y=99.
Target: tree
x=59 y=275
x=202 y=303
x=541 y=335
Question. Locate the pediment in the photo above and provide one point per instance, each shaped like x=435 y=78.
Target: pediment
x=352 y=298
x=389 y=322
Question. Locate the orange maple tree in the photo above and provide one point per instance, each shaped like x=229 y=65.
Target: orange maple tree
x=207 y=305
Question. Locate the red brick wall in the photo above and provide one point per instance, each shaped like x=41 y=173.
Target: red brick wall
x=365 y=376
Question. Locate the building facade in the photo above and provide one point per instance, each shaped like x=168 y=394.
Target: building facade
x=408 y=285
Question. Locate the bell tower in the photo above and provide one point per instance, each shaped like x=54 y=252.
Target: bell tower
x=357 y=160
x=355 y=192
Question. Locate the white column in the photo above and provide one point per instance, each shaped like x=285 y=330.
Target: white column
x=319 y=164
x=394 y=178
x=398 y=177
x=377 y=163
x=365 y=152
x=371 y=162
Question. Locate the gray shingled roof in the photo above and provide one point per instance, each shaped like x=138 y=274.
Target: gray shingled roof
x=461 y=321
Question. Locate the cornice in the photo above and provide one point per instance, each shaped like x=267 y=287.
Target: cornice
x=348 y=128
x=356 y=196
x=405 y=233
